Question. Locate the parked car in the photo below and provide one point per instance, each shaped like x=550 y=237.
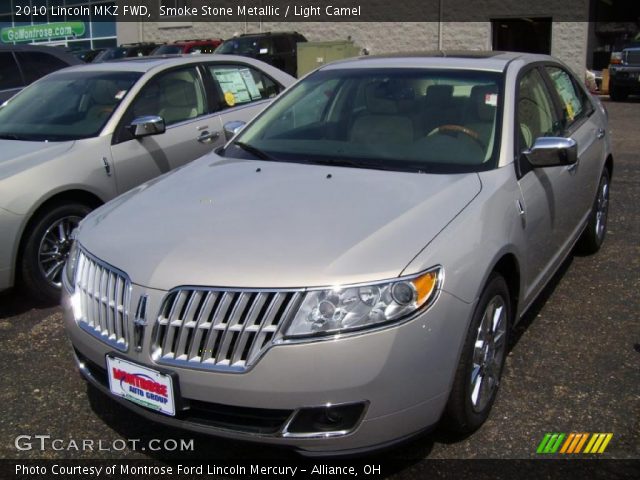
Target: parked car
x=81 y=136
x=188 y=46
x=87 y=56
x=624 y=73
x=127 y=50
x=279 y=49
x=22 y=64
x=349 y=267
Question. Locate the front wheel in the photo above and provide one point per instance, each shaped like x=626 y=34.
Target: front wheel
x=480 y=367
x=593 y=236
x=46 y=249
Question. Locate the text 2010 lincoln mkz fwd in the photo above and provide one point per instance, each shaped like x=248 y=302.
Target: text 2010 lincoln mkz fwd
x=347 y=269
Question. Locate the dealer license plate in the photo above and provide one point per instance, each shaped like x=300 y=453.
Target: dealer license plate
x=141 y=385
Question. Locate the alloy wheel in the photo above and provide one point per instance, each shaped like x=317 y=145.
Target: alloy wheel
x=54 y=249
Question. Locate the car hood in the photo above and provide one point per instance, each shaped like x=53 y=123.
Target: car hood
x=17 y=155
x=259 y=224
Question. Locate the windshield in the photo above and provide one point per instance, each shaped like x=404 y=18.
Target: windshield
x=65 y=106
x=167 y=50
x=418 y=120
x=246 y=46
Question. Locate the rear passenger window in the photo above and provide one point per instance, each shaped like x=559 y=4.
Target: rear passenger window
x=575 y=105
x=37 y=64
x=241 y=85
x=9 y=73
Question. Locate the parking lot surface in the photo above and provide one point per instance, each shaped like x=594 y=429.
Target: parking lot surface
x=574 y=364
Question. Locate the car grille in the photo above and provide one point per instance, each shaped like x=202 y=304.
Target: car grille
x=103 y=296
x=219 y=329
x=633 y=58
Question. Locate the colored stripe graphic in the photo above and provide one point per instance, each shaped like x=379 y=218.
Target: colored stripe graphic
x=573 y=443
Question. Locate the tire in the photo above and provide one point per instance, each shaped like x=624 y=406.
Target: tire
x=594 y=233
x=42 y=254
x=469 y=404
x=617 y=94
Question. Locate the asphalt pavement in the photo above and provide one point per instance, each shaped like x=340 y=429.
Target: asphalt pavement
x=574 y=364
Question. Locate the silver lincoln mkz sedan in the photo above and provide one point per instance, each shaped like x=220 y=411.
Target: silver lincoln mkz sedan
x=347 y=269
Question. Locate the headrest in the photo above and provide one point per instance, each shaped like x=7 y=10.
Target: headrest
x=104 y=92
x=439 y=95
x=484 y=100
x=389 y=97
x=179 y=93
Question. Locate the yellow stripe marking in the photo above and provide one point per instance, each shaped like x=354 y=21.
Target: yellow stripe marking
x=593 y=439
x=584 y=439
x=567 y=442
x=596 y=445
x=606 y=442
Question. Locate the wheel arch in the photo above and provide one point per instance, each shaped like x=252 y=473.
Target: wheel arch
x=76 y=195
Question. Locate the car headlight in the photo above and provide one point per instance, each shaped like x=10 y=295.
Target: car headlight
x=72 y=263
x=343 y=309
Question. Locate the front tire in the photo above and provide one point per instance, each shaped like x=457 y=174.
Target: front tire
x=593 y=236
x=46 y=247
x=480 y=367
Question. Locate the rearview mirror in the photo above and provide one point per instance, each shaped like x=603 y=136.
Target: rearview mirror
x=232 y=128
x=145 y=126
x=552 y=152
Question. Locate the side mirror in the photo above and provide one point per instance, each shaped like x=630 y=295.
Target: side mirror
x=552 y=152
x=232 y=128
x=145 y=126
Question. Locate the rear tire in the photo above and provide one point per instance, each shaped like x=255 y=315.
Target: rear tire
x=480 y=367
x=593 y=236
x=46 y=247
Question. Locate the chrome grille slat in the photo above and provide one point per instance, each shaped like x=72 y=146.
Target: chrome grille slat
x=103 y=293
x=219 y=329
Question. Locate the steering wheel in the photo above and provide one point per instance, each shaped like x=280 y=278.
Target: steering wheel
x=475 y=136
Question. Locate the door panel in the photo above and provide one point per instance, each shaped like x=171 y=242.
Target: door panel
x=178 y=96
x=545 y=191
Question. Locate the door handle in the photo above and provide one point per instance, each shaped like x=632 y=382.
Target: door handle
x=600 y=133
x=208 y=137
x=573 y=167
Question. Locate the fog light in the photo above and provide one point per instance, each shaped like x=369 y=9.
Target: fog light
x=329 y=420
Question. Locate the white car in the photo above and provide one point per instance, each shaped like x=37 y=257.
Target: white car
x=83 y=135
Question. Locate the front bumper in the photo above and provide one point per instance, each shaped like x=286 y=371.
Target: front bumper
x=402 y=374
x=626 y=77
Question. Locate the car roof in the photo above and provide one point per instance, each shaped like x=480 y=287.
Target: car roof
x=459 y=59
x=145 y=64
x=55 y=51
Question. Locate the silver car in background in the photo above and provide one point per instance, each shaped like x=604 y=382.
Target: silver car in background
x=83 y=135
x=348 y=268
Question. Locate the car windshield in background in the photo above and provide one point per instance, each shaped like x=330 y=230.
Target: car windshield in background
x=420 y=120
x=245 y=46
x=167 y=50
x=65 y=106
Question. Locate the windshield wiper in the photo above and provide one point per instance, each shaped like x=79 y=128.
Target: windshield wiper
x=254 y=151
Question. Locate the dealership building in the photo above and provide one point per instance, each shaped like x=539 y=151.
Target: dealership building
x=582 y=33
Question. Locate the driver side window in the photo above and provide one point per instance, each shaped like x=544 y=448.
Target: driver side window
x=536 y=115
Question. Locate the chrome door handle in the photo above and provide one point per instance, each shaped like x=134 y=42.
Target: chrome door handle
x=600 y=133
x=208 y=137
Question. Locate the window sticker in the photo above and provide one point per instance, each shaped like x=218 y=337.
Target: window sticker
x=239 y=83
x=120 y=95
x=491 y=99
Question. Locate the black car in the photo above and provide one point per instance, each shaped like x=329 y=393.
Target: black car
x=279 y=49
x=624 y=73
x=21 y=65
x=126 y=51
